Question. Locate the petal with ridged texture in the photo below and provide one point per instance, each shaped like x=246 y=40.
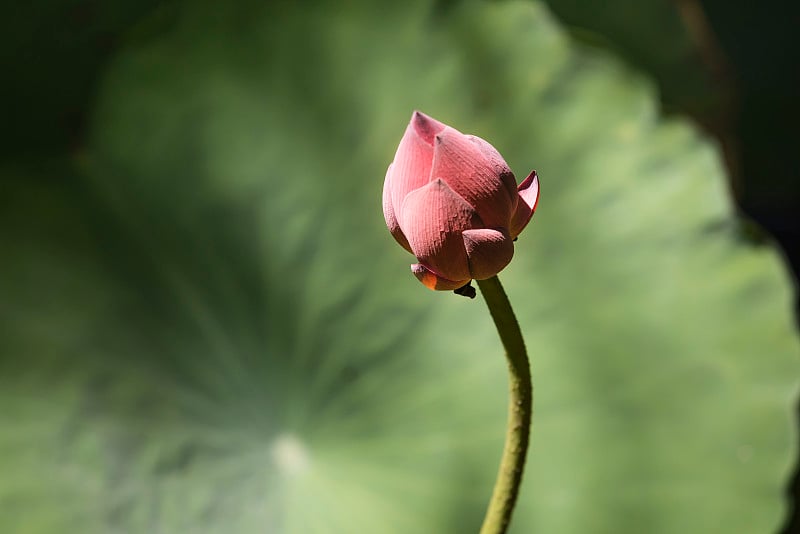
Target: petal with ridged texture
x=389 y=215
x=433 y=218
x=477 y=172
x=488 y=251
x=411 y=168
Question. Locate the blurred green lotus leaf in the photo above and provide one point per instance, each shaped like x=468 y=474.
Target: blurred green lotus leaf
x=207 y=328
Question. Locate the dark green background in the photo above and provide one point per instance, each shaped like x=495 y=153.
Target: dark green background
x=206 y=327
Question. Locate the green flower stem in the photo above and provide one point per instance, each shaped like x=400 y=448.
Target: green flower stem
x=509 y=476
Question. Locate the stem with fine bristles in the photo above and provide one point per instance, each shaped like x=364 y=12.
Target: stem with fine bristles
x=512 y=463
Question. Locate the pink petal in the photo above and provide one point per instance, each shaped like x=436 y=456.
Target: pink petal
x=433 y=217
x=477 y=172
x=433 y=280
x=426 y=127
x=411 y=168
x=488 y=251
x=529 y=198
x=389 y=216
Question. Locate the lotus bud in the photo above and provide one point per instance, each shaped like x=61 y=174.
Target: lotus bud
x=451 y=200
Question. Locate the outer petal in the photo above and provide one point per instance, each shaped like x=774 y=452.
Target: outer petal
x=433 y=218
x=477 y=172
x=389 y=215
x=433 y=280
x=528 y=199
x=411 y=168
x=488 y=251
x=426 y=127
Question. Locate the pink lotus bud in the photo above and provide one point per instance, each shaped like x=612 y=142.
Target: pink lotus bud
x=451 y=200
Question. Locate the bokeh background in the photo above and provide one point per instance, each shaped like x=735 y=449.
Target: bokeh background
x=206 y=327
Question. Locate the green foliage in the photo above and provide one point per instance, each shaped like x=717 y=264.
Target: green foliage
x=207 y=328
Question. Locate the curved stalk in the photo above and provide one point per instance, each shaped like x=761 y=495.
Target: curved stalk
x=520 y=405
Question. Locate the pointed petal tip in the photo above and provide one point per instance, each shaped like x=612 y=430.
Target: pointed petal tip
x=426 y=127
x=529 y=190
x=529 y=195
